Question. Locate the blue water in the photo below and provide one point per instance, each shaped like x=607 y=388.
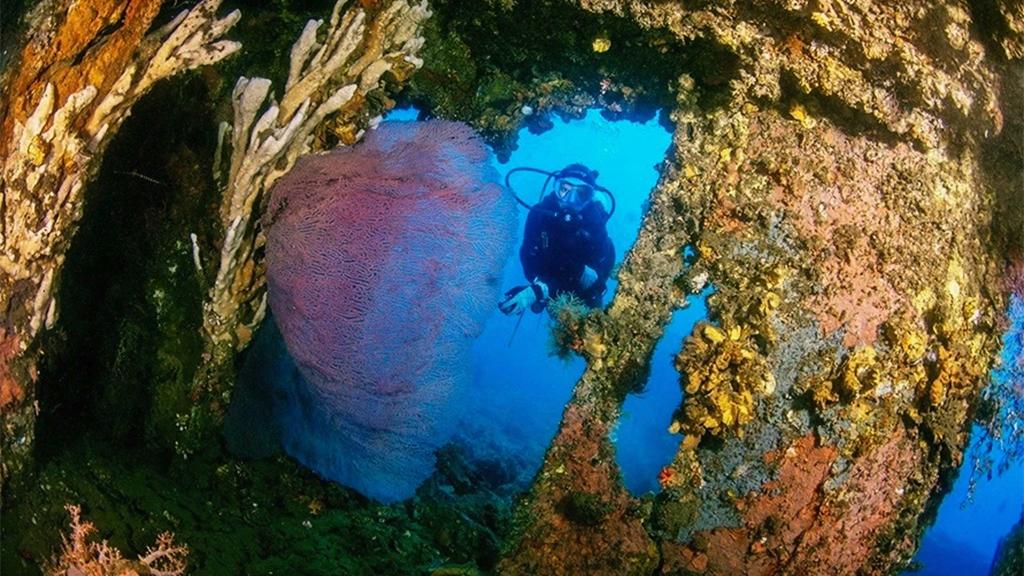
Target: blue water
x=516 y=374
x=964 y=538
x=526 y=389
x=965 y=535
x=645 y=445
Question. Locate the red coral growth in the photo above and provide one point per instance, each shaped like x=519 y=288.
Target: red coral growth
x=790 y=504
x=581 y=520
x=10 y=390
x=665 y=476
x=80 y=557
x=1014 y=277
x=790 y=526
x=845 y=533
x=842 y=209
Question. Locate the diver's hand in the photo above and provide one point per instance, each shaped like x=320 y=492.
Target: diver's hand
x=518 y=299
x=588 y=278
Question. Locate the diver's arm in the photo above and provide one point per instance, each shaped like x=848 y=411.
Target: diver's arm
x=533 y=296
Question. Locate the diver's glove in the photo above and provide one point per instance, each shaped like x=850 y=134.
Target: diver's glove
x=588 y=278
x=518 y=299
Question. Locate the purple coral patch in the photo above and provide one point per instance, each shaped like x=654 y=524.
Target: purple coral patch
x=383 y=263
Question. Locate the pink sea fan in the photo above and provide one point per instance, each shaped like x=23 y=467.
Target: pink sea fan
x=383 y=263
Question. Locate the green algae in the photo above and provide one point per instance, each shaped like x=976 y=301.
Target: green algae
x=263 y=517
x=585 y=508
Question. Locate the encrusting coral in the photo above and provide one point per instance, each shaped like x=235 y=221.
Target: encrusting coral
x=58 y=122
x=568 y=330
x=722 y=376
x=1009 y=27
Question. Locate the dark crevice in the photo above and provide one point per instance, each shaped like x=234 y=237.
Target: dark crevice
x=1001 y=157
x=129 y=297
x=991 y=26
x=12 y=33
x=891 y=73
x=98 y=39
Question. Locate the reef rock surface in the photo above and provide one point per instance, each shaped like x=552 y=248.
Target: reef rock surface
x=841 y=200
x=1009 y=557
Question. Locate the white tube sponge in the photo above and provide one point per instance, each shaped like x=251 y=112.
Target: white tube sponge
x=322 y=79
x=52 y=150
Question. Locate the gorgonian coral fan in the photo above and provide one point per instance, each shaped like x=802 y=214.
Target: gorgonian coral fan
x=382 y=265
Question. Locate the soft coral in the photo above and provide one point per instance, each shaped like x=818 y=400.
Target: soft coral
x=79 y=557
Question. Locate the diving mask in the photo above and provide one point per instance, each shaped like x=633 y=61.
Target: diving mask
x=573 y=194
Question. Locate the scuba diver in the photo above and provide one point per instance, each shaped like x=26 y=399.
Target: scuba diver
x=566 y=248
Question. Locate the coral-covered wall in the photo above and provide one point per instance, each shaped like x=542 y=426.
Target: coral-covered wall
x=1010 y=555
x=844 y=215
x=897 y=395
x=78 y=71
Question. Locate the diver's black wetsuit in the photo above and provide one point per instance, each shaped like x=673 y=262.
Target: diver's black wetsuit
x=559 y=242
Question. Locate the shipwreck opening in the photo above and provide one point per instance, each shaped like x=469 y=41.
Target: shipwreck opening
x=517 y=373
x=523 y=77
x=127 y=346
x=644 y=444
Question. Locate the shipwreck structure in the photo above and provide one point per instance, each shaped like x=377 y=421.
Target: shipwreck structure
x=847 y=175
